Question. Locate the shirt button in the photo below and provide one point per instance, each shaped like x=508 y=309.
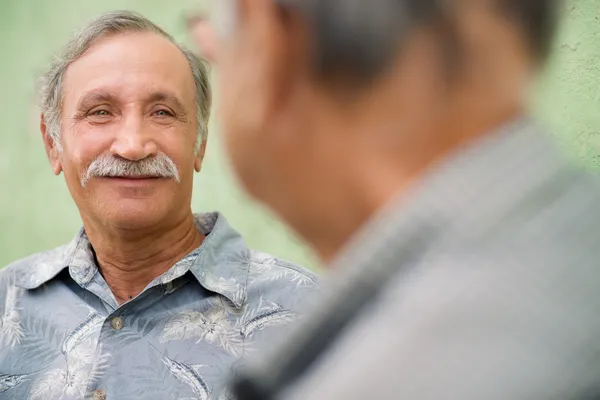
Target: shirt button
x=99 y=395
x=117 y=323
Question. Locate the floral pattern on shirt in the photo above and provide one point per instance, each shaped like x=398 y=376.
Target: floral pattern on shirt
x=63 y=335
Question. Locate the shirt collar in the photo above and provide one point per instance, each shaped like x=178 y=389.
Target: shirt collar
x=223 y=259
x=220 y=264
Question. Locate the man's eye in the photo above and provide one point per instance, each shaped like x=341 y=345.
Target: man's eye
x=163 y=113
x=101 y=113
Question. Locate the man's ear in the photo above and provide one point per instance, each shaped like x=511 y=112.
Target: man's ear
x=200 y=156
x=52 y=152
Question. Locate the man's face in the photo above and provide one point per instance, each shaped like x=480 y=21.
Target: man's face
x=260 y=119
x=240 y=102
x=130 y=100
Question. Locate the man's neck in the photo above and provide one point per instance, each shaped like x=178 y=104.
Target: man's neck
x=387 y=175
x=130 y=260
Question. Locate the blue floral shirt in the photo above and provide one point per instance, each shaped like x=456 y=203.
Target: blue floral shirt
x=64 y=336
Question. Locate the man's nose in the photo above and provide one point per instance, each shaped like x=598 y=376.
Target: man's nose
x=133 y=142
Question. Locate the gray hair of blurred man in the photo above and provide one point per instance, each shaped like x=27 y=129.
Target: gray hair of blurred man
x=360 y=39
x=114 y=23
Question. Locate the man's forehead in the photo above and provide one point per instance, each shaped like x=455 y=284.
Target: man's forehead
x=137 y=62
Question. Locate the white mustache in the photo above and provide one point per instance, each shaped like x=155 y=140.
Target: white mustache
x=159 y=166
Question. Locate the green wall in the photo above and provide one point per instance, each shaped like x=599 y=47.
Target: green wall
x=569 y=96
x=36 y=212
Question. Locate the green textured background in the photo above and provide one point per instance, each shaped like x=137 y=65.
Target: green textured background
x=37 y=213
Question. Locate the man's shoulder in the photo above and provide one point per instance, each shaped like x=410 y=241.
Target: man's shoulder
x=280 y=281
x=264 y=266
x=34 y=265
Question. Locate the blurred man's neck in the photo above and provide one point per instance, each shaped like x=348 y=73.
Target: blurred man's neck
x=384 y=163
x=130 y=259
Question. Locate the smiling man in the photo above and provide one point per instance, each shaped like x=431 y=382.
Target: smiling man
x=149 y=300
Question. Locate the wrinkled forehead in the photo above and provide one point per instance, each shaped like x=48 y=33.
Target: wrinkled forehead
x=131 y=67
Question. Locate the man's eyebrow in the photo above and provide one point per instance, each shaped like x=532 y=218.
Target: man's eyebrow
x=93 y=98
x=96 y=97
x=167 y=98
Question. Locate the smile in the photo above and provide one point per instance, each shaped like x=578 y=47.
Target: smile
x=134 y=177
x=132 y=180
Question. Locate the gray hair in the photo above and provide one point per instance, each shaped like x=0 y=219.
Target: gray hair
x=112 y=23
x=355 y=40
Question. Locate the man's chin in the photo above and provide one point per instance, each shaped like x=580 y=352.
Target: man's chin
x=134 y=214
x=134 y=188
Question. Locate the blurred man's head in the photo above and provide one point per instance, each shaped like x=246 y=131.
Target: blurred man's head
x=331 y=107
x=125 y=113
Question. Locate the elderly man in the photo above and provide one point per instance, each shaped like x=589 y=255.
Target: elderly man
x=149 y=301
x=392 y=134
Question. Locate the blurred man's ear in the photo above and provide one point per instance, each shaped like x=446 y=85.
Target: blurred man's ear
x=203 y=35
x=200 y=156
x=51 y=151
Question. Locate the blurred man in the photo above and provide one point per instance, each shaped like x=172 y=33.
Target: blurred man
x=392 y=135
x=149 y=301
